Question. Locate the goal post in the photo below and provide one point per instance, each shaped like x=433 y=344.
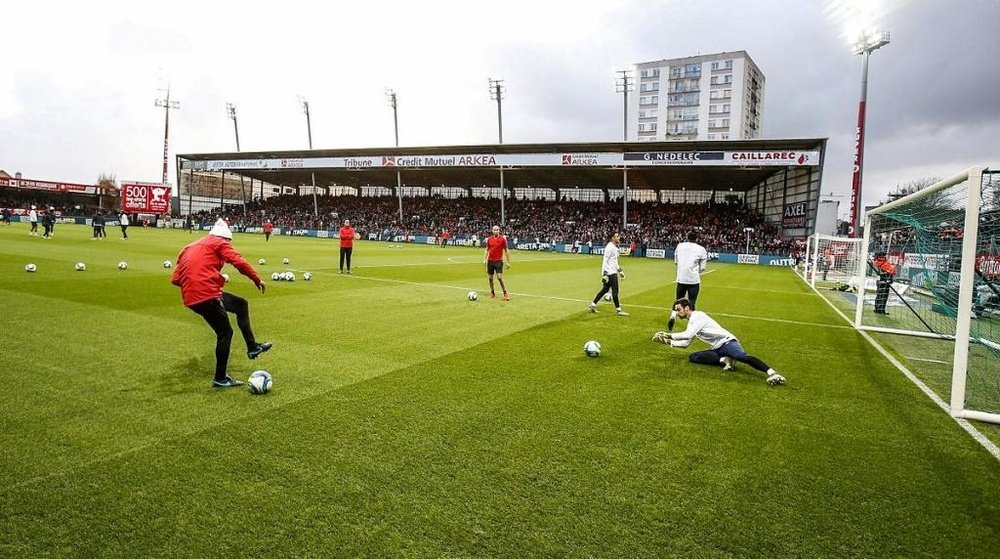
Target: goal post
x=932 y=259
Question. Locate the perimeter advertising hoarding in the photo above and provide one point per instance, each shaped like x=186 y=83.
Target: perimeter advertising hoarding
x=145 y=197
x=493 y=160
x=47 y=185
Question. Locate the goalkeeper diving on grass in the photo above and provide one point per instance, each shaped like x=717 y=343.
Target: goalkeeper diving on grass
x=726 y=349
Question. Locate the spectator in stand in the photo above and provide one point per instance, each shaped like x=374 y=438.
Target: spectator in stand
x=123 y=222
x=346 y=245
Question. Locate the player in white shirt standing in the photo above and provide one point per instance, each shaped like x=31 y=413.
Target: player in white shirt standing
x=33 y=219
x=691 y=259
x=725 y=347
x=611 y=272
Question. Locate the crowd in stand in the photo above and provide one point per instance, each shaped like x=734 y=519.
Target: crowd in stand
x=723 y=226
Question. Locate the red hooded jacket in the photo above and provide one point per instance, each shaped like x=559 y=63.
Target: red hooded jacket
x=199 y=269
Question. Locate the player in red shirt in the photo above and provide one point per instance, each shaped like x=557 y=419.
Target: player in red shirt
x=198 y=275
x=268 y=229
x=496 y=253
x=346 y=245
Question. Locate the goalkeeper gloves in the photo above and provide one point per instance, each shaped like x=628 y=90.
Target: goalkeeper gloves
x=621 y=274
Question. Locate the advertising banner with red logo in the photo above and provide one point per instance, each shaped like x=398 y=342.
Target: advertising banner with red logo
x=145 y=197
x=50 y=186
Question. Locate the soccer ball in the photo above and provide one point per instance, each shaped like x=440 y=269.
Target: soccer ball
x=607 y=296
x=123 y=265
x=307 y=276
x=30 y=268
x=225 y=277
x=284 y=261
x=275 y=276
x=259 y=382
x=167 y=264
x=80 y=266
x=473 y=295
x=262 y=261
x=289 y=276
x=592 y=348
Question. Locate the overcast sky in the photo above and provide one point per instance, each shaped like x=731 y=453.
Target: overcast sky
x=79 y=78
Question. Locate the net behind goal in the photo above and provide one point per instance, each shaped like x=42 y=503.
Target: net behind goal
x=931 y=261
x=832 y=262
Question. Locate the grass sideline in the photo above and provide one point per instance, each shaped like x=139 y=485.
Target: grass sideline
x=407 y=421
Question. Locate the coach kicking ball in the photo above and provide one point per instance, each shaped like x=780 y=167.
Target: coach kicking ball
x=198 y=274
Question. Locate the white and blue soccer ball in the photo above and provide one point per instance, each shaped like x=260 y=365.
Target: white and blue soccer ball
x=607 y=296
x=262 y=261
x=289 y=276
x=284 y=261
x=592 y=348
x=123 y=265
x=167 y=264
x=307 y=276
x=472 y=295
x=225 y=277
x=30 y=268
x=80 y=266
x=259 y=382
x=275 y=276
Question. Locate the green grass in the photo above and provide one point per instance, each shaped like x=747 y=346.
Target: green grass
x=408 y=422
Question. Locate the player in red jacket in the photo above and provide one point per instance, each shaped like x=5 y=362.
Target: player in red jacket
x=347 y=236
x=198 y=274
x=268 y=229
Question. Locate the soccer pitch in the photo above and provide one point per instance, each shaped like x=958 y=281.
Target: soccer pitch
x=406 y=421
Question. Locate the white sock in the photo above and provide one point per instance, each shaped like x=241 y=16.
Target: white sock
x=771 y=372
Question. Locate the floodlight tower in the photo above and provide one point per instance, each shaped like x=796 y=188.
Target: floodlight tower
x=623 y=84
x=167 y=104
x=391 y=95
x=497 y=90
x=305 y=109
x=867 y=43
x=231 y=111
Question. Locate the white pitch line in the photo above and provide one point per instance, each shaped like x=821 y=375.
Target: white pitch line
x=927 y=360
x=978 y=436
x=449 y=262
x=585 y=301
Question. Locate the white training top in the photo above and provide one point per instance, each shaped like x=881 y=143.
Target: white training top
x=33 y=216
x=703 y=327
x=691 y=259
x=123 y=219
x=610 y=264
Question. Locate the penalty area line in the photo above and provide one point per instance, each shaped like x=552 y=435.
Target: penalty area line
x=586 y=301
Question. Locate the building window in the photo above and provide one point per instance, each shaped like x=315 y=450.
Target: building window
x=675 y=72
x=711 y=136
x=691 y=69
x=653 y=73
x=728 y=78
x=715 y=65
x=729 y=64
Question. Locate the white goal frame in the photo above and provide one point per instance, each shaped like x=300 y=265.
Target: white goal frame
x=811 y=262
x=960 y=361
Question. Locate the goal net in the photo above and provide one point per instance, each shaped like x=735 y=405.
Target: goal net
x=832 y=262
x=930 y=265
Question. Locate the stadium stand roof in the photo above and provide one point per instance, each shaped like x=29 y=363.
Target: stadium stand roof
x=694 y=165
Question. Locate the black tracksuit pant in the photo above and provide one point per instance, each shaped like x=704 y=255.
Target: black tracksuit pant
x=214 y=312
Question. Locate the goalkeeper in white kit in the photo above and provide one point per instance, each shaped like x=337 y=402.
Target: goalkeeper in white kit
x=611 y=272
x=725 y=347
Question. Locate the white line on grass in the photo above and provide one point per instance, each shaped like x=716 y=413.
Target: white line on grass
x=926 y=360
x=964 y=424
x=449 y=261
x=585 y=301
